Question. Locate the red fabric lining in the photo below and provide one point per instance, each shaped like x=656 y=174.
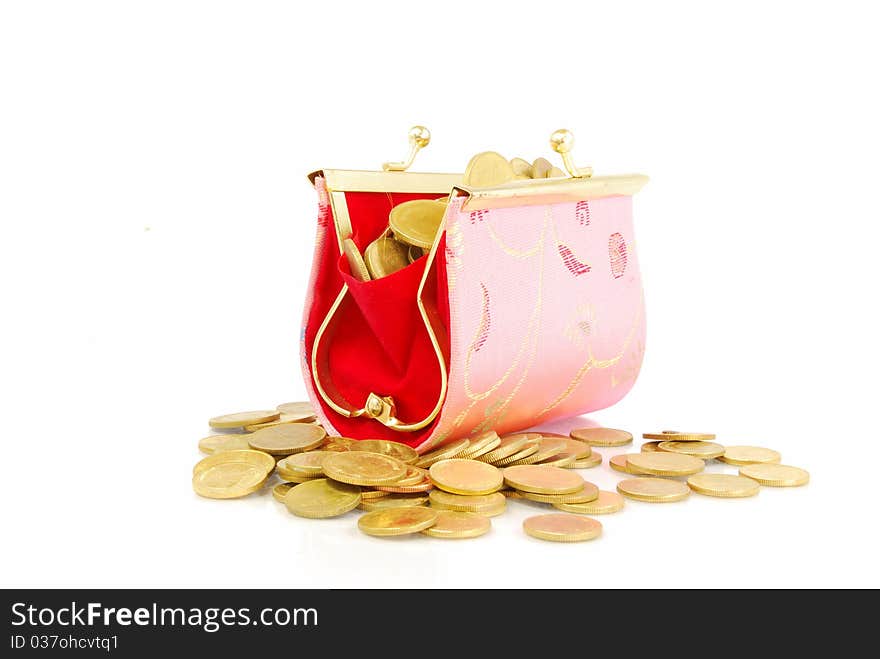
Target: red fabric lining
x=377 y=341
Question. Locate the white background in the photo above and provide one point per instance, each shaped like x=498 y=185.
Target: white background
x=157 y=233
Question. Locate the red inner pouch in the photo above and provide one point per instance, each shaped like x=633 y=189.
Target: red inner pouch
x=377 y=341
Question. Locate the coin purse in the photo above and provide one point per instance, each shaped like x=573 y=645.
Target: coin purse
x=527 y=308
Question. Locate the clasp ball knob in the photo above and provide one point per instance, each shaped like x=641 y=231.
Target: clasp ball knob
x=420 y=136
x=562 y=141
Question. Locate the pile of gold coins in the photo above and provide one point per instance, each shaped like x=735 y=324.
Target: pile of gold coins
x=413 y=225
x=453 y=491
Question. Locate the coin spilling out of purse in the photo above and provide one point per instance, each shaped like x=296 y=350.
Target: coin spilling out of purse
x=453 y=491
x=413 y=225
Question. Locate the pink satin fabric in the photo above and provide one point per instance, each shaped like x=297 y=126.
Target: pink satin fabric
x=546 y=313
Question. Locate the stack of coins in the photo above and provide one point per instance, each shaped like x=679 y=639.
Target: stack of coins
x=455 y=490
x=518 y=449
x=489 y=169
x=413 y=225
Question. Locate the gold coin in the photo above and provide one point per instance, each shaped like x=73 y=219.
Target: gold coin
x=466 y=476
x=602 y=436
x=443 y=453
x=527 y=456
x=704 y=450
x=395 y=450
x=475 y=504
x=664 y=464
x=481 y=444
x=651 y=447
x=527 y=451
x=424 y=486
x=580 y=450
x=287 y=439
x=746 y=455
x=605 y=503
x=545 y=449
x=288 y=477
x=280 y=490
x=303 y=410
x=589 y=493
x=211 y=442
x=369 y=495
x=355 y=261
x=560 y=460
x=337 y=444
x=594 y=460
x=262 y=460
x=397 y=521
x=228 y=481
x=285 y=418
x=452 y=524
x=322 y=498
x=416 y=480
x=774 y=475
x=506 y=447
x=334 y=447
x=216 y=443
x=414 y=253
x=557 y=527
x=305 y=465
x=521 y=167
x=385 y=256
x=543 y=480
x=391 y=501
x=231 y=474
x=488 y=512
x=550 y=447
x=541 y=167
x=619 y=463
x=242 y=419
x=487 y=169
x=512 y=494
x=362 y=468
x=653 y=490
x=723 y=485
x=416 y=222
x=414 y=476
x=679 y=436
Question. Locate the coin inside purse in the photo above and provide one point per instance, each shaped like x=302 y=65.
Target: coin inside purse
x=376 y=340
x=368 y=214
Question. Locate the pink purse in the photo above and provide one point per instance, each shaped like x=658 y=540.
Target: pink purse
x=527 y=308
